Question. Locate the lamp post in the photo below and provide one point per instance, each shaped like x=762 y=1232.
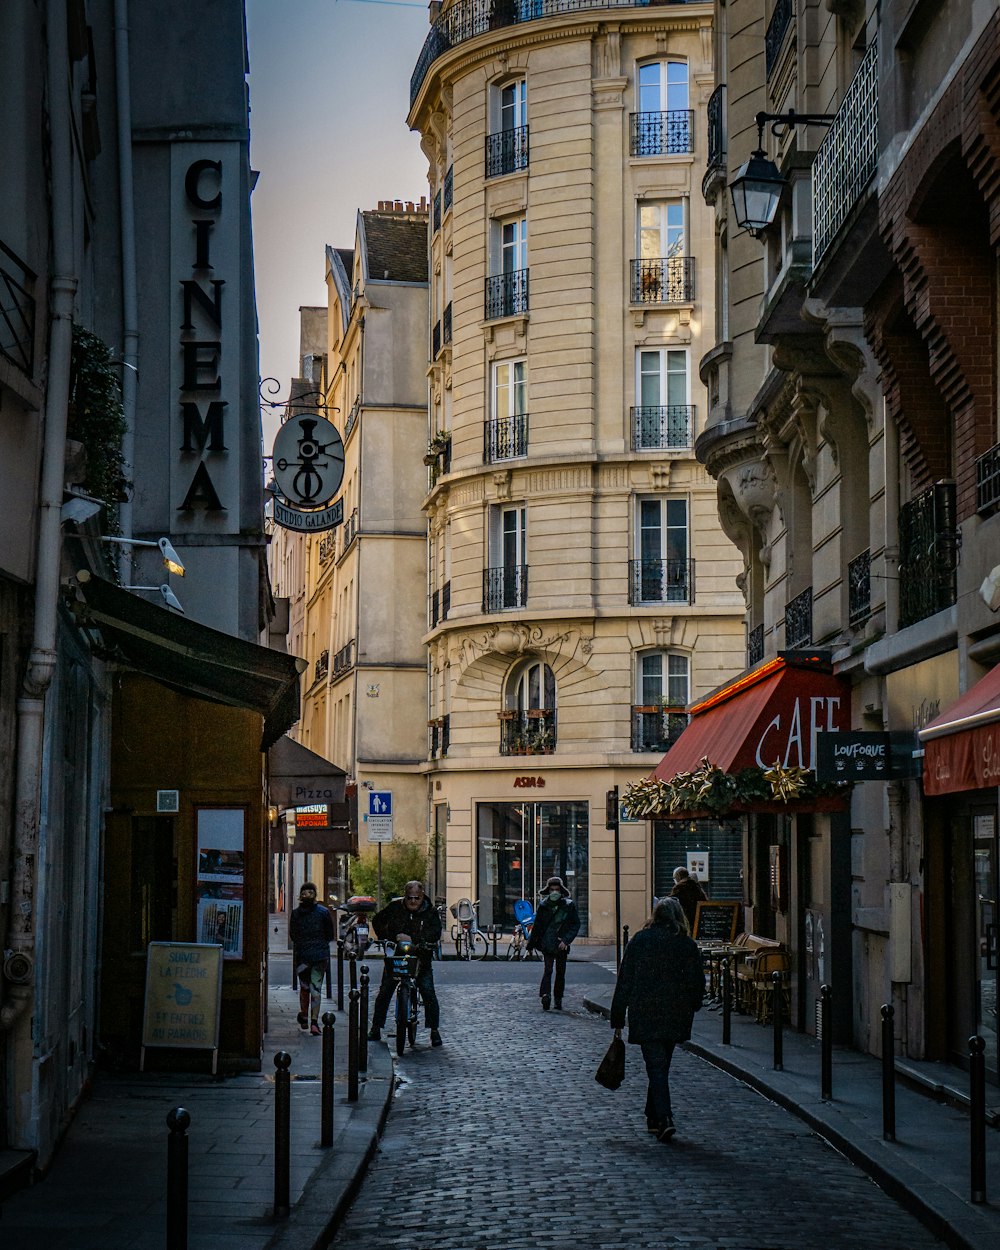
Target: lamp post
x=758 y=184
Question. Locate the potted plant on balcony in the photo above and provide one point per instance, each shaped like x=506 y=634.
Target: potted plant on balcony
x=438 y=446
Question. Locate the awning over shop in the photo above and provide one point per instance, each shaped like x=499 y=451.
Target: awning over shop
x=962 y=745
x=193 y=658
x=298 y=777
x=768 y=715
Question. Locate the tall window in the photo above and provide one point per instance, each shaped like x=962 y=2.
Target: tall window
x=662 y=415
x=505 y=581
x=661 y=695
x=507 y=143
x=507 y=429
x=662 y=124
x=661 y=229
x=528 y=721
x=661 y=572
x=513 y=245
x=663 y=85
x=507 y=284
x=663 y=273
x=514 y=105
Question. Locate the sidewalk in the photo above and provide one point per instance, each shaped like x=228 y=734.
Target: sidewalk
x=106 y=1189
x=926 y=1169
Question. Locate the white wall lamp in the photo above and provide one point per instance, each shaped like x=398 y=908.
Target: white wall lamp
x=168 y=596
x=758 y=184
x=171 y=560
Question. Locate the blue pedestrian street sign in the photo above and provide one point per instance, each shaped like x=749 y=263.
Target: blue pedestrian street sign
x=378 y=818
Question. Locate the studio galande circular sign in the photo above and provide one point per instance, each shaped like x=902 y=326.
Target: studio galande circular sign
x=308 y=461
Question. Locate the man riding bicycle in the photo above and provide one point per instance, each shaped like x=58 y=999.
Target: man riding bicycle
x=409 y=919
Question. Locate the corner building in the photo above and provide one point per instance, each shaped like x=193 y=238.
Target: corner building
x=581 y=591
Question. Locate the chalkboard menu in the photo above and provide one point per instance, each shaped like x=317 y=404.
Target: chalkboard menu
x=717 y=921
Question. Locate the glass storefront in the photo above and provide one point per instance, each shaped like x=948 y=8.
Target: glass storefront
x=520 y=845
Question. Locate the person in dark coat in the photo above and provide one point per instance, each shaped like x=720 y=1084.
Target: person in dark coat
x=687 y=889
x=310 y=927
x=660 y=986
x=412 y=918
x=556 y=924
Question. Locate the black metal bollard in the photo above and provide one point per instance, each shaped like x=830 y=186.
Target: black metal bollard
x=888 y=1074
x=363 y=1022
x=326 y=1087
x=353 y=1014
x=624 y=936
x=826 y=1045
x=494 y=933
x=340 y=974
x=727 y=1004
x=778 y=1011
x=282 y=1130
x=977 y=1117
x=354 y=972
x=178 y=1121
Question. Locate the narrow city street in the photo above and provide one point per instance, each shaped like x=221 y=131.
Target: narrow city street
x=502 y=1139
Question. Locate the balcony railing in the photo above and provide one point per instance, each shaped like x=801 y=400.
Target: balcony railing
x=437 y=211
x=660 y=581
x=17 y=312
x=928 y=554
x=799 y=620
x=656 y=728
x=352 y=416
x=446 y=325
x=449 y=187
x=859 y=589
x=655 y=427
x=322 y=665
x=663 y=280
x=774 y=36
x=506 y=151
x=531 y=732
x=344 y=659
x=505 y=588
x=507 y=294
x=350 y=529
x=717 y=127
x=660 y=134
x=327 y=547
x=988 y=482
x=755 y=645
x=468 y=18
x=847 y=158
x=505 y=438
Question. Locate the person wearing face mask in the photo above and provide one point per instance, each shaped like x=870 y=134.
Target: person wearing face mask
x=557 y=922
x=310 y=927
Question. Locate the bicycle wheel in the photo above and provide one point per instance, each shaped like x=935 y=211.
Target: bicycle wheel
x=411 y=1023
x=402 y=1016
x=479 y=947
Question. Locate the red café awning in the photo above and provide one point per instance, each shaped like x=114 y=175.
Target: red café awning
x=962 y=745
x=769 y=714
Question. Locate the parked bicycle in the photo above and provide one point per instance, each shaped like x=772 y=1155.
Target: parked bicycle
x=470 y=942
x=355 y=927
x=525 y=915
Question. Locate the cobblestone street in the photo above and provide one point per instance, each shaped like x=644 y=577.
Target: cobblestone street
x=502 y=1139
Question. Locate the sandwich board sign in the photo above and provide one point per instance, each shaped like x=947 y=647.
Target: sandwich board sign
x=378 y=818
x=183 y=997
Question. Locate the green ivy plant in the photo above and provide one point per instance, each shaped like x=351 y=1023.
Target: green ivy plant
x=97 y=420
x=402 y=861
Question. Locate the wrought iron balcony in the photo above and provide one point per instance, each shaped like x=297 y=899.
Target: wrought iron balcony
x=327 y=547
x=506 y=151
x=847 y=158
x=350 y=529
x=656 y=728
x=344 y=659
x=352 y=416
x=755 y=645
x=928 y=554
x=17 y=312
x=322 y=665
x=531 y=732
x=660 y=581
x=799 y=620
x=507 y=294
x=774 y=36
x=988 y=482
x=660 y=426
x=859 y=589
x=666 y=133
x=446 y=324
x=449 y=187
x=505 y=587
x=663 y=280
x=505 y=438
x=437 y=211
x=717 y=127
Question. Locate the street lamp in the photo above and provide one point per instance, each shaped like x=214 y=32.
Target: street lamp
x=171 y=560
x=758 y=185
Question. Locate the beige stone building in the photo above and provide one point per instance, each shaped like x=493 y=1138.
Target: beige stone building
x=357 y=593
x=582 y=591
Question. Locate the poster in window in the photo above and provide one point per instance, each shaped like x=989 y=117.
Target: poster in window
x=220 y=878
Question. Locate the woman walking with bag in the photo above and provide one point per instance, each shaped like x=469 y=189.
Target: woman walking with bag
x=660 y=986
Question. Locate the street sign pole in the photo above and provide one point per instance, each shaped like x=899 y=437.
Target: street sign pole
x=378 y=891
x=378 y=821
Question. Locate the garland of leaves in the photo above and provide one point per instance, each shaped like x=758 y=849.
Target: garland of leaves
x=97 y=420
x=709 y=789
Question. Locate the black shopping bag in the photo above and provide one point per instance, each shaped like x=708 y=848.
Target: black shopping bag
x=611 y=1070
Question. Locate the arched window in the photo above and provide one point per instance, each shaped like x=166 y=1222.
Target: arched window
x=528 y=719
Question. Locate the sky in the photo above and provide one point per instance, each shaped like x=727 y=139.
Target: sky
x=329 y=94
